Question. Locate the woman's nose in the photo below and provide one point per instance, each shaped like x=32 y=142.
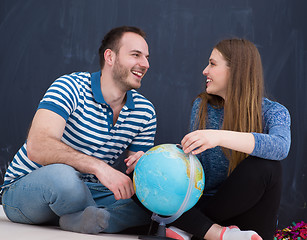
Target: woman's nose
x=205 y=71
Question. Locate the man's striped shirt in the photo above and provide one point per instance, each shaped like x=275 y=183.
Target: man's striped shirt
x=89 y=123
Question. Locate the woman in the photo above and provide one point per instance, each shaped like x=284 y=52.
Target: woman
x=240 y=138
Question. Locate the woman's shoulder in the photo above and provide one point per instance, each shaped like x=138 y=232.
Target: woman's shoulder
x=196 y=101
x=269 y=105
x=272 y=109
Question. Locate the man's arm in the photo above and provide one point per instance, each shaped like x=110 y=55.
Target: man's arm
x=44 y=146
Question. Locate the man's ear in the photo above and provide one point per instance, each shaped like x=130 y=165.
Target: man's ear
x=109 y=57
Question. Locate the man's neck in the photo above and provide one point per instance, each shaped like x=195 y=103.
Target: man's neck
x=112 y=94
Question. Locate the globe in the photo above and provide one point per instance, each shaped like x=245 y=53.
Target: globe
x=161 y=179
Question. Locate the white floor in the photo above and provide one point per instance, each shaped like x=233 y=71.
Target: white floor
x=16 y=231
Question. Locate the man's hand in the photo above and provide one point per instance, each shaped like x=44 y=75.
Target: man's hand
x=132 y=160
x=45 y=147
x=119 y=183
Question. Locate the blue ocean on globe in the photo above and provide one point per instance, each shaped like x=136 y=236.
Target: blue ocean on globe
x=161 y=179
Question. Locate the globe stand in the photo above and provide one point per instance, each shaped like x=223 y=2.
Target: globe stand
x=161 y=233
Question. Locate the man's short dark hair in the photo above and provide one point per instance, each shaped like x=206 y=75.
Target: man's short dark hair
x=112 y=40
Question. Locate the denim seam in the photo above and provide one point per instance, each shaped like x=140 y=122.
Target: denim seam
x=121 y=206
x=20 y=212
x=98 y=189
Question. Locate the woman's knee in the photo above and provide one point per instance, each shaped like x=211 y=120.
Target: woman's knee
x=255 y=168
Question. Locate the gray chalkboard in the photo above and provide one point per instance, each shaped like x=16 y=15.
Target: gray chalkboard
x=42 y=40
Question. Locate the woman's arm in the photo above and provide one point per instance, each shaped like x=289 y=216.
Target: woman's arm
x=201 y=140
x=273 y=143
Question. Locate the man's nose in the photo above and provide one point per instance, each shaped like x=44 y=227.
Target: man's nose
x=144 y=62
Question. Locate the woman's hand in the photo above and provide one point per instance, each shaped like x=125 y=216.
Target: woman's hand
x=200 y=140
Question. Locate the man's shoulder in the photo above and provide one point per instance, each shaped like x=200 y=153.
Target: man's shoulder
x=75 y=80
x=77 y=76
x=141 y=101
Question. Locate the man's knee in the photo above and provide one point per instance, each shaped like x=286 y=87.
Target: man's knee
x=64 y=178
x=59 y=170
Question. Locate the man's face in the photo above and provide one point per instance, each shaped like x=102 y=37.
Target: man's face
x=131 y=61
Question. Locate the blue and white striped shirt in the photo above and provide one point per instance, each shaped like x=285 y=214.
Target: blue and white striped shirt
x=89 y=123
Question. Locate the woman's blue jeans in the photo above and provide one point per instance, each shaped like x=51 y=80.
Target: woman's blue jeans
x=55 y=190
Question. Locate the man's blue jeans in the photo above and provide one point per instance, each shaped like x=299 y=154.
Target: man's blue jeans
x=55 y=190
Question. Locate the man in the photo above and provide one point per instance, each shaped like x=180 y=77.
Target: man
x=83 y=124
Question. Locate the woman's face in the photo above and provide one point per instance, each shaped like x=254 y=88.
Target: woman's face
x=217 y=73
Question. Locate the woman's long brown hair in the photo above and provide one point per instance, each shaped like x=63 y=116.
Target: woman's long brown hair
x=242 y=106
